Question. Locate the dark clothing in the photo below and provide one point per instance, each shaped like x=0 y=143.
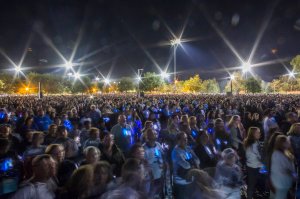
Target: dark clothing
x=206 y=156
x=252 y=177
x=116 y=159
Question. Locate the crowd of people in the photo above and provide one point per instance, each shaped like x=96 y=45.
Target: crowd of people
x=157 y=146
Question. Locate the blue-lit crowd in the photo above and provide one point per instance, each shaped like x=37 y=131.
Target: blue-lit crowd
x=156 y=146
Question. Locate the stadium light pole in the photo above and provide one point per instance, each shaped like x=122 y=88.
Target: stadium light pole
x=175 y=43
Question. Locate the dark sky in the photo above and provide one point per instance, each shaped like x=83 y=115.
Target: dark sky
x=121 y=36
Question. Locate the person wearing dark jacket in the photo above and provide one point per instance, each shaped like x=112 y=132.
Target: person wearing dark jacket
x=112 y=154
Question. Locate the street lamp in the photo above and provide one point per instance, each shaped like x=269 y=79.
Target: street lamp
x=140 y=70
x=164 y=75
x=68 y=65
x=291 y=74
x=97 y=79
x=106 y=81
x=77 y=75
x=18 y=69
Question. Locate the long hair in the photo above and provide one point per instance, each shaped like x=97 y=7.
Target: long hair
x=232 y=120
x=279 y=142
x=292 y=130
x=250 y=137
x=81 y=182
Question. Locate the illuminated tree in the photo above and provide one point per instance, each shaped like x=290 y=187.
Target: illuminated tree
x=253 y=85
x=126 y=84
x=150 y=82
x=238 y=83
x=211 y=86
x=295 y=62
x=194 y=84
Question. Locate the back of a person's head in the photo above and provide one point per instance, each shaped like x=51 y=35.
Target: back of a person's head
x=81 y=182
x=130 y=166
x=279 y=142
x=293 y=129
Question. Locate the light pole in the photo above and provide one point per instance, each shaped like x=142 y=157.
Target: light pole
x=175 y=43
x=139 y=80
x=231 y=80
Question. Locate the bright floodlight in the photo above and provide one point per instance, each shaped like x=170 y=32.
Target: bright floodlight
x=69 y=65
x=246 y=67
x=232 y=77
x=97 y=79
x=175 y=42
x=106 y=81
x=76 y=75
x=139 y=78
x=291 y=74
x=164 y=75
x=18 y=69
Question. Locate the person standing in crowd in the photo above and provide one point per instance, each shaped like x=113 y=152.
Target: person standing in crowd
x=41 y=121
x=92 y=155
x=283 y=171
x=253 y=159
x=94 y=114
x=36 y=147
x=123 y=134
x=205 y=152
x=221 y=137
x=65 y=168
x=70 y=146
x=269 y=122
x=183 y=159
x=93 y=139
x=112 y=154
x=291 y=118
x=51 y=135
x=294 y=137
x=39 y=186
x=155 y=157
x=102 y=177
x=80 y=184
x=84 y=134
x=229 y=175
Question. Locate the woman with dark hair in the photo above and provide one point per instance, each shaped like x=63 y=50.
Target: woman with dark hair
x=221 y=138
x=282 y=168
x=253 y=159
x=137 y=151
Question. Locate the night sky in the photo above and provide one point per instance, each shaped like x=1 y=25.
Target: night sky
x=121 y=36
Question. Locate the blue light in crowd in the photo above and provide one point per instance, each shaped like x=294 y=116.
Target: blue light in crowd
x=194 y=134
x=225 y=142
x=68 y=124
x=2 y=115
x=210 y=130
x=263 y=170
x=188 y=155
x=218 y=141
x=157 y=153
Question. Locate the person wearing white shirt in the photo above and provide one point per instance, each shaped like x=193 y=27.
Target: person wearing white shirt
x=253 y=159
x=282 y=168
